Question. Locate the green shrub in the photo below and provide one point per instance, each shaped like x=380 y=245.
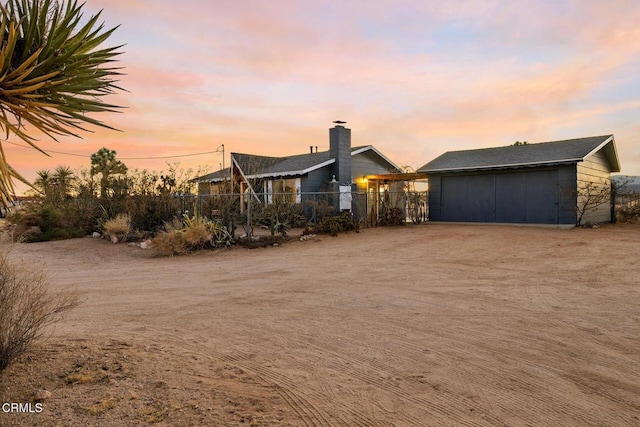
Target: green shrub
x=43 y=223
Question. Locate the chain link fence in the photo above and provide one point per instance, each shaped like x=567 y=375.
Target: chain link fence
x=249 y=210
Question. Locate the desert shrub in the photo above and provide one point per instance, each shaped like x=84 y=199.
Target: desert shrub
x=169 y=243
x=81 y=213
x=280 y=216
x=391 y=216
x=119 y=227
x=40 y=223
x=193 y=233
x=26 y=307
x=340 y=223
x=150 y=212
x=200 y=232
x=628 y=213
x=318 y=210
x=197 y=236
x=220 y=234
x=147 y=212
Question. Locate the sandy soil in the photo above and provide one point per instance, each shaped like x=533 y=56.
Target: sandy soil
x=434 y=325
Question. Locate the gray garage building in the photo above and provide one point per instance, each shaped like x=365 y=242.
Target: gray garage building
x=542 y=183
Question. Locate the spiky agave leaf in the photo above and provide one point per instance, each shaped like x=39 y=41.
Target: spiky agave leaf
x=51 y=74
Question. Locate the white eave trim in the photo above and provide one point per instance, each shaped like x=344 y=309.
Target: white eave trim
x=509 y=165
x=615 y=160
x=372 y=148
x=292 y=173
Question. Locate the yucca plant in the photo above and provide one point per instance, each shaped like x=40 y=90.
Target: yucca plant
x=52 y=74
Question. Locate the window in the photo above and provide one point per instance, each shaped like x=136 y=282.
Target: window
x=284 y=190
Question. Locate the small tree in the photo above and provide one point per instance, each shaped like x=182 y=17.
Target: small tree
x=104 y=162
x=591 y=196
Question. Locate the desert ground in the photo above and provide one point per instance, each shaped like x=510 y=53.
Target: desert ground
x=429 y=325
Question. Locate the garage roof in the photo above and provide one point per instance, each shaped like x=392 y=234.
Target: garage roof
x=513 y=156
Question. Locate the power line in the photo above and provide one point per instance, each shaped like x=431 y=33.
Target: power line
x=121 y=158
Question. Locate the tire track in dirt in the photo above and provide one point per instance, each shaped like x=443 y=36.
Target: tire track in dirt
x=302 y=403
x=545 y=403
x=455 y=346
x=308 y=411
x=446 y=409
x=355 y=417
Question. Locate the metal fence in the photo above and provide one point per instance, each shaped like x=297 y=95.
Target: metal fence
x=249 y=209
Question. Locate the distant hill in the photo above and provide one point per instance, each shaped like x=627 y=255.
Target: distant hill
x=630 y=183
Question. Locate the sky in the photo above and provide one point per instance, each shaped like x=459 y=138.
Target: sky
x=412 y=78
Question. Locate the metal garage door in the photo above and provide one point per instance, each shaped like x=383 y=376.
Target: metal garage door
x=523 y=197
x=542 y=197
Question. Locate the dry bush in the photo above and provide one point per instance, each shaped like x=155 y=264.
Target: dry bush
x=169 y=243
x=26 y=307
x=120 y=227
x=628 y=214
x=197 y=235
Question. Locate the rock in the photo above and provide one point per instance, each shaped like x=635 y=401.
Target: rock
x=114 y=239
x=42 y=395
x=96 y=235
x=146 y=244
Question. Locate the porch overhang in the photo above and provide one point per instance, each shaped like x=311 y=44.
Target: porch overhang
x=404 y=176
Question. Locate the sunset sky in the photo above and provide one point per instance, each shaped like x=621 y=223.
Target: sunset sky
x=412 y=78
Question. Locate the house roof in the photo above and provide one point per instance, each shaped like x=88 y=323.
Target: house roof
x=513 y=156
x=262 y=166
x=219 y=176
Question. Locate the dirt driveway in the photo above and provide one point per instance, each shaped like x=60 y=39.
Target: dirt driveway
x=434 y=325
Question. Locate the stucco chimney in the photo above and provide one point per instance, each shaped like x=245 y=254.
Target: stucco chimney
x=340 y=149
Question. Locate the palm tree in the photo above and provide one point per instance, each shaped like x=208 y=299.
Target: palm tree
x=43 y=182
x=64 y=181
x=51 y=74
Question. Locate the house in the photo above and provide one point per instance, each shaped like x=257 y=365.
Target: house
x=545 y=183
x=342 y=170
x=214 y=183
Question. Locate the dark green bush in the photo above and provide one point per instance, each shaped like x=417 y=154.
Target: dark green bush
x=340 y=223
x=43 y=223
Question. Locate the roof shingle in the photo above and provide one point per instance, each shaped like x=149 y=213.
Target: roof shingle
x=555 y=152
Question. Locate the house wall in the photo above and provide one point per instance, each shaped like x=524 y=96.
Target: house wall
x=367 y=163
x=208 y=188
x=523 y=195
x=594 y=189
x=316 y=180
